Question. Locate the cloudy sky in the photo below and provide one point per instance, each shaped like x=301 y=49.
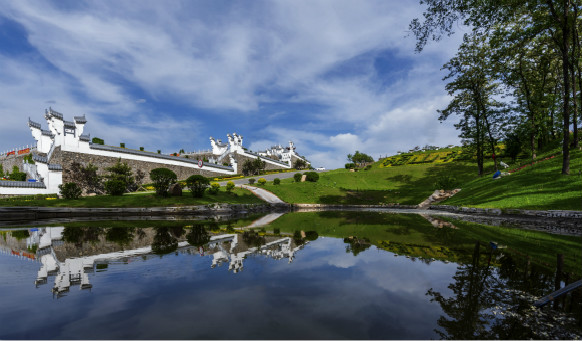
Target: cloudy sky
x=333 y=76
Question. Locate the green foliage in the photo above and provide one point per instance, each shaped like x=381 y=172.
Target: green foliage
x=311 y=176
x=1 y=170
x=251 y=181
x=197 y=185
x=84 y=176
x=446 y=182
x=141 y=149
x=253 y=167
x=70 y=190
x=350 y=165
x=122 y=145
x=299 y=164
x=262 y=181
x=115 y=187
x=198 y=236
x=513 y=145
x=162 y=178
x=159 y=151
x=97 y=140
x=276 y=181
x=214 y=188
x=229 y=186
x=360 y=158
x=28 y=159
x=297 y=177
x=121 y=171
x=17 y=175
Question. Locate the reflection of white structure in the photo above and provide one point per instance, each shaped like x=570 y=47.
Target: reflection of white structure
x=225 y=248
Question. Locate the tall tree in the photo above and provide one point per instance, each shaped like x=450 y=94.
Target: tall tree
x=473 y=91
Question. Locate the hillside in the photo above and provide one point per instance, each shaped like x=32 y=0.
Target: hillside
x=409 y=178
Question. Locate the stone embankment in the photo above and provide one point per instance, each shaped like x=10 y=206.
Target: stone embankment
x=438 y=196
x=34 y=213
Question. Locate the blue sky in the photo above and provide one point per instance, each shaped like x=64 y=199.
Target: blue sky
x=333 y=76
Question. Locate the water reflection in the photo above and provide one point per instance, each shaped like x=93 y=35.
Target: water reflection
x=69 y=254
x=454 y=281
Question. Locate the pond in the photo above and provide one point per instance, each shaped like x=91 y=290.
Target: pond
x=308 y=275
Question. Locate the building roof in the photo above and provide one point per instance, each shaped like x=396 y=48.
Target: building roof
x=47 y=133
x=33 y=124
x=80 y=119
x=69 y=124
x=85 y=137
x=21 y=184
x=54 y=114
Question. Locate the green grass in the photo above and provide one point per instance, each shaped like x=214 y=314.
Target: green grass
x=148 y=199
x=405 y=185
x=537 y=187
x=411 y=234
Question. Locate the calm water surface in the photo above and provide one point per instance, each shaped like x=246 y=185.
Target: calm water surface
x=304 y=276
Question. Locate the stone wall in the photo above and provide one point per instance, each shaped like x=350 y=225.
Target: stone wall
x=11 y=161
x=65 y=159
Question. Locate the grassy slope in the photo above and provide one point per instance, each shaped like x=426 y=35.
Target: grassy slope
x=540 y=186
x=143 y=200
x=536 y=187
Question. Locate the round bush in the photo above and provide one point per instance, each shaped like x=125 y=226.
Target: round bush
x=162 y=178
x=70 y=190
x=297 y=177
x=262 y=181
x=115 y=187
x=214 y=188
x=251 y=181
x=276 y=181
x=197 y=185
x=229 y=186
x=311 y=176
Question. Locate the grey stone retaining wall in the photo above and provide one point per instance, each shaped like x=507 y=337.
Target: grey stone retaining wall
x=33 y=213
x=11 y=161
x=65 y=159
x=515 y=212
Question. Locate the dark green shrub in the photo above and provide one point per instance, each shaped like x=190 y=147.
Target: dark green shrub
x=277 y=230
x=122 y=145
x=115 y=187
x=197 y=185
x=70 y=190
x=162 y=178
x=214 y=188
x=122 y=171
x=297 y=177
x=229 y=186
x=311 y=235
x=368 y=167
x=446 y=182
x=141 y=148
x=276 y=181
x=97 y=140
x=311 y=176
x=350 y=165
x=299 y=164
x=159 y=151
x=251 y=181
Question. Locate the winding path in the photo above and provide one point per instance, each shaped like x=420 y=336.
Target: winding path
x=263 y=194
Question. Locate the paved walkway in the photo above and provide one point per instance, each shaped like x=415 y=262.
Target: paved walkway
x=263 y=194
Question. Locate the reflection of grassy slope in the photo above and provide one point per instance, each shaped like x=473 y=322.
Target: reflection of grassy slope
x=414 y=236
x=142 y=200
x=540 y=186
x=407 y=185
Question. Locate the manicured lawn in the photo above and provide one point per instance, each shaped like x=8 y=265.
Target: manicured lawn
x=407 y=185
x=239 y=196
x=538 y=187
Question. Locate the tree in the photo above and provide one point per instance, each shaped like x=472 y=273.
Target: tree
x=360 y=158
x=512 y=145
x=558 y=20
x=229 y=186
x=473 y=90
x=70 y=190
x=164 y=242
x=299 y=164
x=198 y=236
x=85 y=176
x=162 y=178
x=97 y=140
x=121 y=173
x=197 y=185
x=253 y=167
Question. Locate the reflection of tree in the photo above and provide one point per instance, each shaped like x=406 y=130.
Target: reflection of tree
x=356 y=245
x=80 y=235
x=198 y=236
x=164 y=241
x=490 y=304
x=120 y=235
x=252 y=238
